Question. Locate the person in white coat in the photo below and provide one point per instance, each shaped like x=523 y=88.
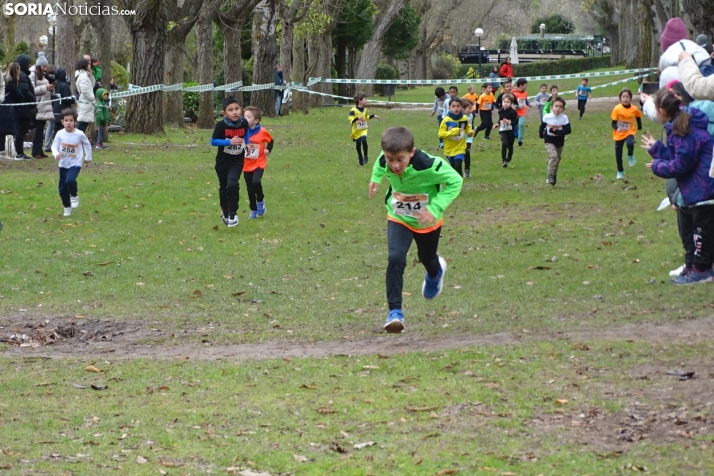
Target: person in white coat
x=43 y=93
x=83 y=83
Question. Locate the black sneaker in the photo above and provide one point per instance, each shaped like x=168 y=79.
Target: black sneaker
x=520 y=143
x=550 y=180
x=366 y=160
x=504 y=164
x=555 y=179
x=467 y=173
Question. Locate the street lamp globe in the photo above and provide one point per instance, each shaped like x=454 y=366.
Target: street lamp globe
x=478 y=32
x=43 y=41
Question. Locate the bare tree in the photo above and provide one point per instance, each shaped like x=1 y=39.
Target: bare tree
x=181 y=21
x=204 y=38
x=231 y=19
x=69 y=30
x=701 y=14
x=148 y=32
x=290 y=14
x=101 y=24
x=265 y=53
x=319 y=52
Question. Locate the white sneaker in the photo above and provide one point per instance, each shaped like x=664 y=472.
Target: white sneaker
x=232 y=221
x=677 y=272
x=67 y=212
x=74 y=201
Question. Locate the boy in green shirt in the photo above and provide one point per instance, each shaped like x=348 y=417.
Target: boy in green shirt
x=421 y=187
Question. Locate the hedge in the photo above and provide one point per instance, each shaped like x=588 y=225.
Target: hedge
x=563 y=66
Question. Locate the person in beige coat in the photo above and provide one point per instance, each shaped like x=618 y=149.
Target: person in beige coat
x=83 y=83
x=697 y=85
x=43 y=93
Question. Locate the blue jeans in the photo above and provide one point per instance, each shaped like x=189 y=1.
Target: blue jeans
x=521 y=127
x=278 y=101
x=68 y=184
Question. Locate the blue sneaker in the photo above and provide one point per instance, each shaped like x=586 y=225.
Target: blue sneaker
x=253 y=214
x=261 y=208
x=395 y=322
x=432 y=286
x=620 y=175
x=631 y=160
x=694 y=276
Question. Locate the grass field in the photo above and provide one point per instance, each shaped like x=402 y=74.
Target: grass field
x=426 y=94
x=147 y=248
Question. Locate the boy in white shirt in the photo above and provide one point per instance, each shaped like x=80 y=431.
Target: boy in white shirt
x=69 y=148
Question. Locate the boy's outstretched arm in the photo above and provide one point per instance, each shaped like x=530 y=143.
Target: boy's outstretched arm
x=451 y=182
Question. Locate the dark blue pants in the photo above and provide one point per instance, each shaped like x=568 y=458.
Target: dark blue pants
x=68 y=184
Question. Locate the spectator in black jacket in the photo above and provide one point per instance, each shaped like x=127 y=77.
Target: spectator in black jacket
x=64 y=93
x=26 y=113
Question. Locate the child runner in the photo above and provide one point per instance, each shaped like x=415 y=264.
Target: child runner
x=507 y=89
x=623 y=129
x=453 y=94
x=228 y=137
x=541 y=99
x=471 y=94
x=507 y=118
x=454 y=129
x=585 y=92
x=553 y=129
x=421 y=187
x=522 y=102
x=485 y=108
x=358 y=118
x=553 y=95
x=687 y=157
x=69 y=147
x=259 y=145
x=467 y=106
x=438 y=109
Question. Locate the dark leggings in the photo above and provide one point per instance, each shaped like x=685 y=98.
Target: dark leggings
x=253 y=182
x=507 y=139
x=486 y=123
x=457 y=164
x=467 y=157
x=23 y=126
x=630 y=141
x=38 y=139
x=399 y=239
x=228 y=170
x=82 y=126
x=581 y=106
x=363 y=142
x=686 y=234
x=702 y=229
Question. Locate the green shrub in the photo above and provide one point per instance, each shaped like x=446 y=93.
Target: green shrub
x=121 y=75
x=190 y=102
x=564 y=66
x=537 y=43
x=553 y=24
x=447 y=67
x=20 y=48
x=384 y=71
x=2 y=55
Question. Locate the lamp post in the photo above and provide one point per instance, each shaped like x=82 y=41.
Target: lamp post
x=479 y=33
x=52 y=20
x=542 y=30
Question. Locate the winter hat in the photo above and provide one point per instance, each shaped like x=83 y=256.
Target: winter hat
x=674 y=30
x=41 y=60
x=702 y=40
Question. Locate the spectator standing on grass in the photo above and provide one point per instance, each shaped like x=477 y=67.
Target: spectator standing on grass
x=63 y=99
x=50 y=129
x=421 y=188
x=83 y=83
x=102 y=117
x=506 y=70
x=7 y=117
x=494 y=75
x=43 y=93
x=24 y=92
x=279 y=81
x=687 y=156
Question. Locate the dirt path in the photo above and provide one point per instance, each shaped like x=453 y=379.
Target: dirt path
x=120 y=340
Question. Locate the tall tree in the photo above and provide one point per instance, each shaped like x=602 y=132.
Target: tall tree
x=204 y=40
x=144 y=113
x=290 y=14
x=353 y=30
x=69 y=30
x=701 y=13
x=265 y=53
x=319 y=51
x=231 y=18
x=102 y=29
x=388 y=10
x=403 y=35
x=181 y=20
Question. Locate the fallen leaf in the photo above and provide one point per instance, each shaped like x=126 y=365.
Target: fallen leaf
x=99 y=387
x=42 y=384
x=381 y=356
x=447 y=471
x=579 y=347
x=299 y=458
x=140 y=459
x=239 y=293
x=561 y=401
x=169 y=465
x=139 y=284
x=361 y=446
x=92 y=368
x=311 y=387
x=325 y=411
x=421 y=409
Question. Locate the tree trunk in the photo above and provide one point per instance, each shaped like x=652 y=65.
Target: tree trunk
x=204 y=40
x=701 y=14
x=371 y=52
x=102 y=26
x=265 y=54
x=341 y=67
x=233 y=69
x=185 y=18
x=66 y=43
x=144 y=113
x=301 y=101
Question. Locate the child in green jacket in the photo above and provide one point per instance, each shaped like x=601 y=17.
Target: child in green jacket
x=421 y=187
x=102 y=117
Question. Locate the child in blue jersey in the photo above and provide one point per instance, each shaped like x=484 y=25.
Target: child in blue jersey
x=358 y=118
x=438 y=109
x=585 y=92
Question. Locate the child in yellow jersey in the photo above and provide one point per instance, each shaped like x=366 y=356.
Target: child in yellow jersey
x=358 y=118
x=623 y=118
x=485 y=108
x=454 y=128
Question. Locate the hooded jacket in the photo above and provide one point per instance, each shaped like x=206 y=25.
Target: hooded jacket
x=85 y=104
x=102 y=113
x=687 y=159
x=7 y=112
x=44 y=96
x=697 y=85
x=26 y=89
x=63 y=91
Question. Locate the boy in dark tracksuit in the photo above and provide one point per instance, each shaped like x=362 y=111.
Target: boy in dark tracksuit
x=421 y=188
x=228 y=137
x=507 y=120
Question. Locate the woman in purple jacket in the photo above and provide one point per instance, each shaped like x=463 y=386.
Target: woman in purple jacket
x=687 y=157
